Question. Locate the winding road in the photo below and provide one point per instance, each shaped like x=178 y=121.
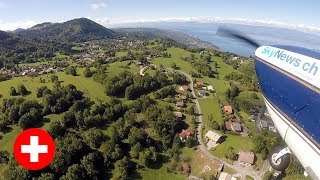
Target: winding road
x=242 y=171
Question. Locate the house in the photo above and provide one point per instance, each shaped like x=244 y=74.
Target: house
x=212 y=138
x=253 y=117
x=180 y=103
x=228 y=110
x=226 y=176
x=185 y=134
x=202 y=93
x=272 y=128
x=210 y=88
x=233 y=126
x=182 y=97
x=184 y=88
x=266 y=113
x=200 y=83
x=178 y=114
x=246 y=158
x=264 y=124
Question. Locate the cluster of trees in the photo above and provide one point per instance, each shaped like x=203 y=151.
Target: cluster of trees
x=247 y=78
x=85 y=152
x=232 y=92
x=203 y=65
x=165 y=92
x=22 y=112
x=178 y=78
x=22 y=90
x=88 y=73
x=133 y=86
x=263 y=143
x=15 y=48
x=71 y=71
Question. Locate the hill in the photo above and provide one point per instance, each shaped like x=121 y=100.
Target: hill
x=76 y=30
x=178 y=36
x=17 y=48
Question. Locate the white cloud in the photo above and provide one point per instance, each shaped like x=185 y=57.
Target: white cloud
x=96 y=6
x=266 y=22
x=102 y=21
x=10 y=26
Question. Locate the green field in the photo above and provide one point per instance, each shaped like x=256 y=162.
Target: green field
x=7 y=140
x=176 y=54
x=235 y=141
x=117 y=67
x=91 y=88
x=158 y=174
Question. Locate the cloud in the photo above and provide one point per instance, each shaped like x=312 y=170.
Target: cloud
x=102 y=21
x=265 y=22
x=10 y=26
x=96 y=6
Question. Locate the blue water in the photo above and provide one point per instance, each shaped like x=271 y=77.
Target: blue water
x=263 y=35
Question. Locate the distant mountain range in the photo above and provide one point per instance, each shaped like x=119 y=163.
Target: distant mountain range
x=178 y=36
x=82 y=29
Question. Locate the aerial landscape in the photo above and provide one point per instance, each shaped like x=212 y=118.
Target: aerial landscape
x=141 y=100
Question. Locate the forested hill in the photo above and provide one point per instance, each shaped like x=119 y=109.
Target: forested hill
x=16 y=48
x=76 y=30
x=178 y=36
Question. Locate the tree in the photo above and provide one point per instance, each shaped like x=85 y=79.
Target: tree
x=254 y=96
x=41 y=90
x=56 y=130
x=121 y=169
x=234 y=91
x=179 y=79
x=94 y=137
x=54 y=78
x=30 y=119
x=87 y=72
x=260 y=145
x=174 y=66
x=13 y=91
x=75 y=172
x=71 y=71
x=230 y=154
x=15 y=171
x=46 y=176
x=190 y=141
x=135 y=150
x=191 y=110
x=4 y=156
x=22 y=90
x=215 y=125
x=137 y=135
x=93 y=163
x=148 y=156
x=294 y=167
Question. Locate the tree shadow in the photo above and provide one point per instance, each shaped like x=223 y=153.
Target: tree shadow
x=198 y=114
x=7 y=130
x=162 y=159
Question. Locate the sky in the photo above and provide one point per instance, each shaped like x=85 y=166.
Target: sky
x=26 y=13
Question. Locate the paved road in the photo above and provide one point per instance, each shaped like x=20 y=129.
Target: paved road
x=242 y=171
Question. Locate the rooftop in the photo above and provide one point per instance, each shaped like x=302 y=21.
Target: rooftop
x=246 y=157
x=186 y=133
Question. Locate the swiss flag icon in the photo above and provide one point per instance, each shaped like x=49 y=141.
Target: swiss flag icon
x=34 y=149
